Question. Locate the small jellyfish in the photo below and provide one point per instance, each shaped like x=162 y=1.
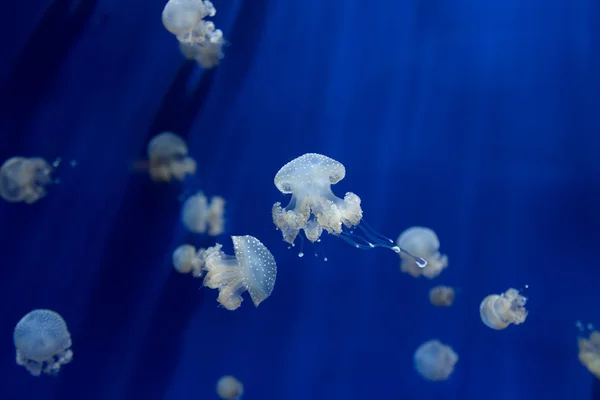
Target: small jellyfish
x=182 y=16
x=43 y=342
x=186 y=260
x=229 y=388
x=421 y=242
x=441 y=296
x=435 y=361
x=589 y=352
x=252 y=269
x=198 y=215
x=168 y=158
x=498 y=311
x=24 y=179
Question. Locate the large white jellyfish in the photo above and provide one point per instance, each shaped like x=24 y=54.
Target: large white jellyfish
x=24 y=179
x=198 y=215
x=186 y=260
x=498 y=311
x=168 y=158
x=421 y=242
x=229 y=388
x=43 y=342
x=435 y=361
x=252 y=269
x=314 y=208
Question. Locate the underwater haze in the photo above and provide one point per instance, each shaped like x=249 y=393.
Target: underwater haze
x=477 y=119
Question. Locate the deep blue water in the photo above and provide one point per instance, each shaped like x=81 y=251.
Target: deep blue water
x=479 y=119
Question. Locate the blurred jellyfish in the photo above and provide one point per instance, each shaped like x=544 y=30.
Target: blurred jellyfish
x=252 y=269
x=421 y=242
x=589 y=350
x=435 y=361
x=168 y=158
x=186 y=260
x=313 y=206
x=182 y=16
x=229 y=388
x=441 y=296
x=43 y=342
x=500 y=310
x=24 y=179
x=197 y=214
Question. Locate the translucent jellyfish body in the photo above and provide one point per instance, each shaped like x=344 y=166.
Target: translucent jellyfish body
x=441 y=296
x=198 y=214
x=252 y=269
x=24 y=179
x=435 y=361
x=229 y=388
x=589 y=352
x=186 y=260
x=498 y=311
x=204 y=44
x=421 y=242
x=182 y=16
x=168 y=158
x=43 y=342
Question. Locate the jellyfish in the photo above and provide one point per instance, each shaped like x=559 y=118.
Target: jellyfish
x=229 y=388
x=186 y=260
x=421 y=242
x=589 y=351
x=204 y=44
x=24 y=179
x=198 y=215
x=435 y=361
x=167 y=158
x=43 y=342
x=498 y=311
x=441 y=296
x=314 y=208
x=182 y=16
x=252 y=269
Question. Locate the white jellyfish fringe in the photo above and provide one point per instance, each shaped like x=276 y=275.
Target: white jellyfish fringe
x=374 y=239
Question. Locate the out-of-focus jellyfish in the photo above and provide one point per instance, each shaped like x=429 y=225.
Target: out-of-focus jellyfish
x=441 y=296
x=167 y=158
x=43 y=342
x=421 y=242
x=500 y=310
x=186 y=260
x=182 y=16
x=229 y=388
x=435 y=361
x=197 y=214
x=314 y=208
x=252 y=269
x=589 y=349
x=24 y=179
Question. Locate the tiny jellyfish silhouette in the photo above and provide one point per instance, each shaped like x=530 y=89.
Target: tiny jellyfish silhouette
x=24 y=179
x=441 y=296
x=498 y=311
x=43 y=342
x=589 y=352
x=252 y=269
x=314 y=208
x=167 y=158
x=229 y=388
x=435 y=361
x=186 y=260
x=198 y=215
x=421 y=242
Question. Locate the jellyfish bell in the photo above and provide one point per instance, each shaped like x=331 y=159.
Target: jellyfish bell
x=588 y=343
x=498 y=311
x=229 y=388
x=200 y=215
x=314 y=207
x=182 y=16
x=167 y=159
x=435 y=361
x=25 y=179
x=421 y=242
x=186 y=260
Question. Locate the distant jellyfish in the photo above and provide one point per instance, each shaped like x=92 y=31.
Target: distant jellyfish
x=198 y=215
x=43 y=342
x=167 y=158
x=182 y=16
x=314 y=208
x=186 y=260
x=252 y=269
x=498 y=311
x=421 y=242
x=229 y=388
x=441 y=296
x=24 y=179
x=435 y=361
x=589 y=352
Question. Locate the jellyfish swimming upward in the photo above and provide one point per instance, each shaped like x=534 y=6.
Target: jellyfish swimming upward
x=314 y=207
x=24 y=179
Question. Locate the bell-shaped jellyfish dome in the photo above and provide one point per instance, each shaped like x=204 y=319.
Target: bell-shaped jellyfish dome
x=186 y=260
x=198 y=215
x=441 y=296
x=182 y=16
x=421 y=242
x=435 y=361
x=498 y=311
x=24 y=179
x=43 y=342
x=252 y=269
x=229 y=388
x=168 y=158
x=589 y=352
